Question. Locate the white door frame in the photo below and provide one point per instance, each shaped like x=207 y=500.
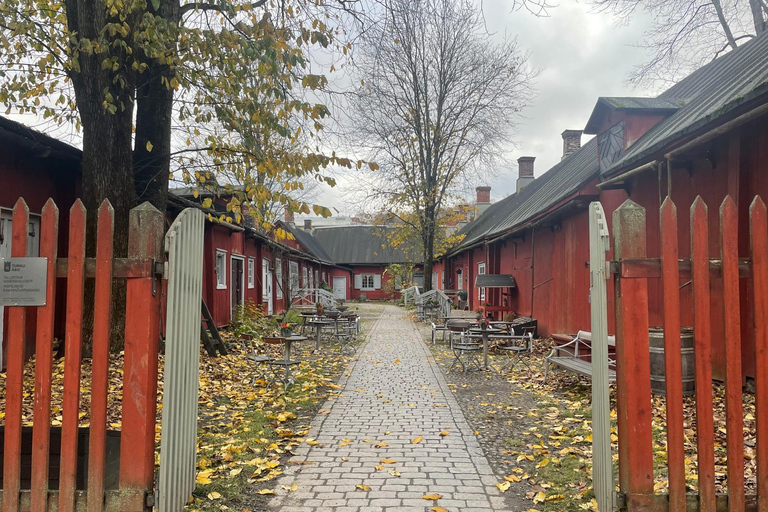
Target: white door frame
x=334 y=278
x=266 y=285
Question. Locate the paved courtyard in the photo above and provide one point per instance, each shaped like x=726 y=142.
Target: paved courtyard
x=394 y=435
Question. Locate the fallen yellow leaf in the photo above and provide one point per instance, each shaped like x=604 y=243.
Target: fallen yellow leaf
x=503 y=486
x=294 y=487
x=439 y=509
x=444 y=433
x=266 y=491
x=434 y=496
x=388 y=461
x=363 y=487
x=214 y=495
x=417 y=440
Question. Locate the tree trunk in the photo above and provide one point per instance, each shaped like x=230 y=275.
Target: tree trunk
x=107 y=155
x=154 y=110
x=428 y=238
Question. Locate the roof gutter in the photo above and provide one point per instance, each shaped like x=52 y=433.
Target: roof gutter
x=697 y=141
x=621 y=177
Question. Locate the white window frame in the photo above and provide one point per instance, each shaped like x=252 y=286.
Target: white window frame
x=293 y=277
x=251 y=273
x=304 y=277
x=481 y=291
x=221 y=273
x=279 y=278
x=364 y=278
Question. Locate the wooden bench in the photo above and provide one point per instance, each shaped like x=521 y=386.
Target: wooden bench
x=575 y=354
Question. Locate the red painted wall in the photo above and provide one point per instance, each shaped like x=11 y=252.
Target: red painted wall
x=380 y=294
x=742 y=178
x=332 y=272
x=36 y=180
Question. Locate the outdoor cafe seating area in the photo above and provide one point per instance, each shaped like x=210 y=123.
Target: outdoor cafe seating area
x=471 y=339
x=276 y=358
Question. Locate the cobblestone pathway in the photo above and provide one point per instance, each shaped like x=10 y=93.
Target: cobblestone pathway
x=393 y=394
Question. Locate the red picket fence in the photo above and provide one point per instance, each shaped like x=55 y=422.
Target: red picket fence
x=632 y=271
x=137 y=438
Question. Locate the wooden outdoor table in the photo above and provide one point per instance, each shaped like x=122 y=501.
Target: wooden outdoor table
x=318 y=324
x=474 y=331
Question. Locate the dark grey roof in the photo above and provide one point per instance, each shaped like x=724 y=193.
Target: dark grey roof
x=359 y=245
x=495 y=281
x=605 y=104
x=309 y=242
x=36 y=141
x=562 y=180
x=709 y=93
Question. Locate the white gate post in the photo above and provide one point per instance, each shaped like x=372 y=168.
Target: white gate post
x=602 y=460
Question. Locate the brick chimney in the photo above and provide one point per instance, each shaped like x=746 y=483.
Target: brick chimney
x=524 y=172
x=289 y=216
x=483 y=199
x=571 y=142
x=308 y=224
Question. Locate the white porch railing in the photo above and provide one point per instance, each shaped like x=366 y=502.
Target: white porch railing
x=311 y=296
x=443 y=301
x=410 y=295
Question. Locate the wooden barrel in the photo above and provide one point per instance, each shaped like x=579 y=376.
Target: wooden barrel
x=658 y=377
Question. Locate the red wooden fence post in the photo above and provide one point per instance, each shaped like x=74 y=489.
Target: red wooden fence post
x=734 y=412
x=41 y=433
x=705 y=430
x=72 y=350
x=758 y=225
x=142 y=330
x=633 y=361
x=673 y=364
x=100 y=358
x=15 y=373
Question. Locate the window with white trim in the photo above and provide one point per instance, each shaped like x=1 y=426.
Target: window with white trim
x=221 y=269
x=367 y=282
x=480 y=271
x=251 y=271
x=293 y=277
x=304 y=278
x=279 y=277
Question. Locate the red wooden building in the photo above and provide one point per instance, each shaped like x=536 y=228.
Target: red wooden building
x=707 y=136
x=368 y=252
x=34 y=166
x=243 y=264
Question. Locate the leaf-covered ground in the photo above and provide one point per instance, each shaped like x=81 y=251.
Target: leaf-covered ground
x=538 y=434
x=246 y=430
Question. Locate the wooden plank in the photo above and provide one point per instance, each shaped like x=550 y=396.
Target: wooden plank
x=142 y=332
x=758 y=226
x=733 y=399
x=97 y=448
x=122 y=268
x=633 y=365
x=49 y=234
x=650 y=268
x=72 y=348
x=14 y=382
x=124 y=500
x=673 y=364
x=705 y=431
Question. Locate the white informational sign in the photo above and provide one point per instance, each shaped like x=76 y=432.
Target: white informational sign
x=23 y=281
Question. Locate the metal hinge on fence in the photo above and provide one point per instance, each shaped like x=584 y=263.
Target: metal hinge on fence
x=621 y=501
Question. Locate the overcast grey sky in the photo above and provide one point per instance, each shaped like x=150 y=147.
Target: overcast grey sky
x=581 y=55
